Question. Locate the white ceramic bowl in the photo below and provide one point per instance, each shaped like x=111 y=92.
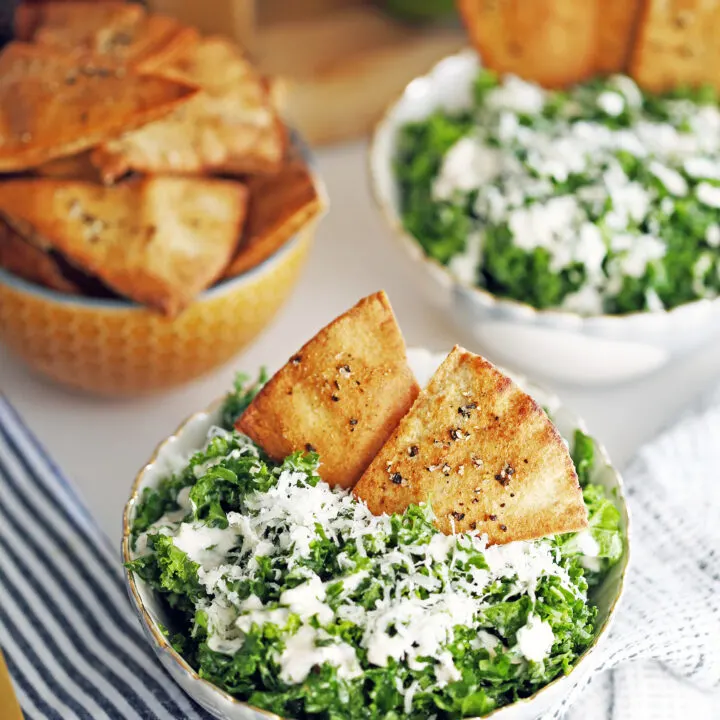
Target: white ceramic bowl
x=564 y=346
x=191 y=435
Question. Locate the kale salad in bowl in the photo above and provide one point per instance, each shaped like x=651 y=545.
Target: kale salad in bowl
x=580 y=227
x=267 y=593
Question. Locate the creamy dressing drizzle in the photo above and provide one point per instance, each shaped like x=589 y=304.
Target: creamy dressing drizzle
x=400 y=625
x=523 y=194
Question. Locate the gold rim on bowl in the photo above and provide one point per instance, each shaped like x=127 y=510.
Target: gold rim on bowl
x=163 y=644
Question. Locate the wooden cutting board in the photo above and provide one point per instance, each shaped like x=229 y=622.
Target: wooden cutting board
x=340 y=62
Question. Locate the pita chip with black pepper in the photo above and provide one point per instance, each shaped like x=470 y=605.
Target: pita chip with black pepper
x=341 y=394
x=483 y=454
x=158 y=241
x=52 y=106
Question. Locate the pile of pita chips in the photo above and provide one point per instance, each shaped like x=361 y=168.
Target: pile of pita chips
x=341 y=394
x=230 y=126
x=483 y=454
x=472 y=444
x=157 y=239
x=171 y=144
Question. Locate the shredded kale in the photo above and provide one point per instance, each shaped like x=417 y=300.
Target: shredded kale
x=240 y=397
x=683 y=224
x=230 y=472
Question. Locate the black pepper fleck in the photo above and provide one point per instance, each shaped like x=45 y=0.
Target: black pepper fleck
x=413 y=450
x=353 y=421
x=456 y=434
x=503 y=528
x=473 y=525
x=396 y=478
x=309 y=447
x=334 y=398
x=475 y=500
x=465 y=410
x=492 y=517
x=446 y=469
x=458 y=515
x=296 y=360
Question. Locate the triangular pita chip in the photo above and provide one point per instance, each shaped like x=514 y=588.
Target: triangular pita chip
x=342 y=394
x=159 y=241
x=280 y=205
x=615 y=35
x=31 y=263
x=118 y=32
x=677 y=45
x=483 y=454
x=230 y=127
x=551 y=42
x=51 y=106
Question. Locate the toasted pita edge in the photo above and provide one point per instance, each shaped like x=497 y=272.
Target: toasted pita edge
x=260 y=244
x=272 y=422
x=168 y=295
x=31 y=155
x=26 y=260
x=457 y=505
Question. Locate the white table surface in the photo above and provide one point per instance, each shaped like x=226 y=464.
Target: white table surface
x=102 y=443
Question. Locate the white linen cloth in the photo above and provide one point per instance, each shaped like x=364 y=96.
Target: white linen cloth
x=662 y=659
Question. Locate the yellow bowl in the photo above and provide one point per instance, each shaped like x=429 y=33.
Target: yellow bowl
x=115 y=347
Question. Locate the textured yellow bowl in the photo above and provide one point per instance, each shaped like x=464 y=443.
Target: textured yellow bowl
x=113 y=347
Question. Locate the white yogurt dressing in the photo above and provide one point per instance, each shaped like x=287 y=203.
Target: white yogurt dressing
x=522 y=194
x=400 y=625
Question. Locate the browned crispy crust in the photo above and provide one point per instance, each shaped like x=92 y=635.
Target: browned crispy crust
x=483 y=454
x=52 y=106
x=159 y=241
x=31 y=263
x=615 y=34
x=551 y=42
x=230 y=127
x=72 y=167
x=280 y=205
x=342 y=394
x=118 y=32
x=676 y=44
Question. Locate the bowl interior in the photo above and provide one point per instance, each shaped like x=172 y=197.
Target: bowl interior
x=173 y=453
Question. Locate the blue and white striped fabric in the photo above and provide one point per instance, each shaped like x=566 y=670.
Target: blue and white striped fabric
x=72 y=643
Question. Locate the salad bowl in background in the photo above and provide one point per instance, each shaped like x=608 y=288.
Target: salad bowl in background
x=173 y=452
x=564 y=346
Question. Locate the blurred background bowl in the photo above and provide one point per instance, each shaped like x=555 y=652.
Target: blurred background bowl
x=152 y=611
x=555 y=344
x=116 y=347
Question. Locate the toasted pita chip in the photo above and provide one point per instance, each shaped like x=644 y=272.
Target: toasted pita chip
x=483 y=454
x=551 y=42
x=342 y=394
x=615 y=34
x=51 y=106
x=676 y=44
x=31 y=263
x=159 y=241
x=73 y=167
x=230 y=127
x=118 y=32
x=280 y=205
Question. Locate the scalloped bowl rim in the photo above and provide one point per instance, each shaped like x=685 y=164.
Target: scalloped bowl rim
x=386 y=126
x=162 y=643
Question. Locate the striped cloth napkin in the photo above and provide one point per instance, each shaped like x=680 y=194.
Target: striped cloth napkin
x=75 y=649
x=72 y=643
